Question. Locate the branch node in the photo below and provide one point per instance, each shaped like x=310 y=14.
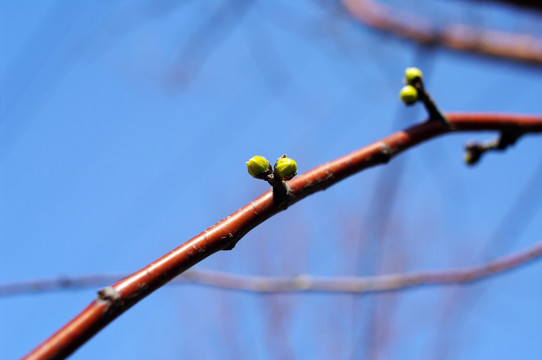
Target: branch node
x=109 y=294
x=474 y=150
x=233 y=241
x=386 y=153
x=281 y=193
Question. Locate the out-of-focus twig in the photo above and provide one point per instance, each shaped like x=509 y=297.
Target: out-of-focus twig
x=510 y=46
x=304 y=283
x=204 y=42
x=509 y=229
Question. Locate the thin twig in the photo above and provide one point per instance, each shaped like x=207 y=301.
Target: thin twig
x=304 y=282
x=205 y=41
x=119 y=297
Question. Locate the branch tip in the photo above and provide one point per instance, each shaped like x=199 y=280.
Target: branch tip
x=475 y=150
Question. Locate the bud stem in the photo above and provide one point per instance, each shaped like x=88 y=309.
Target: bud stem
x=434 y=113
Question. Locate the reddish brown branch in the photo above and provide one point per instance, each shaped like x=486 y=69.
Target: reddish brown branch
x=114 y=300
x=307 y=283
x=510 y=46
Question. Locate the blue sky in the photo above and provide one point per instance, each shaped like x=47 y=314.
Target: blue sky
x=124 y=131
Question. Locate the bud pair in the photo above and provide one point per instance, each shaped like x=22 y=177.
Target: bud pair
x=259 y=167
x=409 y=93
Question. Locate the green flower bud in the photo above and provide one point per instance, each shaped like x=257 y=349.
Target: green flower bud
x=409 y=94
x=411 y=74
x=473 y=153
x=285 y=168
x=469 y=158
x=258 y=167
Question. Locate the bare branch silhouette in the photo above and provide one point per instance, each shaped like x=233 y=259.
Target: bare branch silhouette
x=119 y=297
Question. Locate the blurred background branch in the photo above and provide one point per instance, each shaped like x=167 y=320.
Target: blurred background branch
x=300 y=283
x=505 y=45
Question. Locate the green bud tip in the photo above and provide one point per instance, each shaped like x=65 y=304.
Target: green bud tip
x=411 y=74
x=258 y=166
x=470 y=158
x=285 y=168
x=409 y=94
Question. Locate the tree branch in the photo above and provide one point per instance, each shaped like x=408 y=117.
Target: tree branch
x=509 y=46
x=117 y=298
x=304 y=282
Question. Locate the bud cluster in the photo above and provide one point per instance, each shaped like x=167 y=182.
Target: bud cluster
x=409 y=92
x=260 y=168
